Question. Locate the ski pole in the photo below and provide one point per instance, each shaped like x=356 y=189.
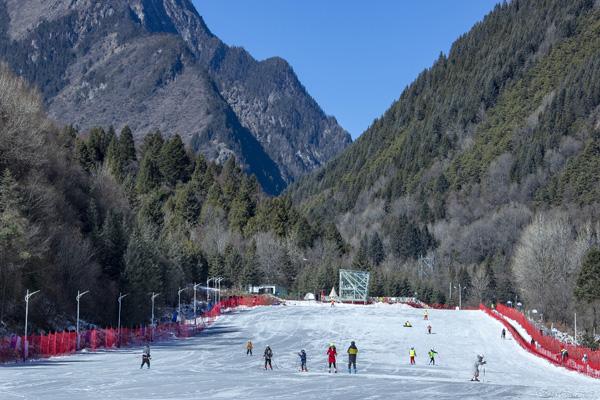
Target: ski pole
x=484 y=374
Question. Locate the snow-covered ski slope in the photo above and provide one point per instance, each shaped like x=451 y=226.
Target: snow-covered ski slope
x=214 y=365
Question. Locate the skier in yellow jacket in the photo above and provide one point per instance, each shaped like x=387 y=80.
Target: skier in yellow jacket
x=412 y=353
x=352 y=352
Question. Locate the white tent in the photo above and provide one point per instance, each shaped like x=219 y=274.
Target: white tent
x=309 y=296
x=333 y=294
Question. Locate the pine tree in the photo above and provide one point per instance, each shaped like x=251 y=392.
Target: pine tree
x=251 y=271
x=376 y=250
x=142 y=276
x=82 y=155
x=174 y=162
x=587 y=287
x=149 y=176
x=113 y=244
x=126 y=146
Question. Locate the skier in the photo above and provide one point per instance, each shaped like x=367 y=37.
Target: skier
x=429 y=329
x=585 y=358
x=146 y=357
x=412 y=353
x=564 y=355
x=503 y=334
x=426 y=315
x=249 y=347
x=302 y=356
x=407 y=324
x=332 y=303
x=332 y=354
x=268 y=355
x=352 y=352
x=479 y=361
x=432 y=354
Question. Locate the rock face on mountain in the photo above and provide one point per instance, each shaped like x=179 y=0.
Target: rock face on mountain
x=154 y=64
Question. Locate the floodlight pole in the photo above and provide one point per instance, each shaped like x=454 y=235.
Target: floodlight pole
x=120 y=300
x=195 y=305
x=218 y=288
x=179 y=301
x=79 y=296
x=26 y=344
x=154 y=296
x=208 y=280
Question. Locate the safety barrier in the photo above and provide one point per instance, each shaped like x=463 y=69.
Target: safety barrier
x=62 y=343
x=545 y=346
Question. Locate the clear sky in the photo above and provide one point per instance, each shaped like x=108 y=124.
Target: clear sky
x=354 y=56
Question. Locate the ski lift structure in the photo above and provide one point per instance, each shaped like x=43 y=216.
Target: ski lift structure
x=354 y=286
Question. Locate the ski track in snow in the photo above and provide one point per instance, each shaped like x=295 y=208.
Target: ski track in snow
x=214 y=365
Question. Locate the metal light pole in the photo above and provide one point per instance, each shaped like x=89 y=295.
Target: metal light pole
x=154 y=296
x=79 y=296
x=195 y=305
x=218 y=288
x=120 y=300
x=575 y=329
x=179 y=301
x=459 y=296
x=450 y=291
x=208 y=289
x=26 y=344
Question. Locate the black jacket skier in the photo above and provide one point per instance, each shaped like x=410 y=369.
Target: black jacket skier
x=268 y=355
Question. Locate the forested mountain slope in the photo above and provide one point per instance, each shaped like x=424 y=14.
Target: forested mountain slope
x=153 y=64
x=507 y=125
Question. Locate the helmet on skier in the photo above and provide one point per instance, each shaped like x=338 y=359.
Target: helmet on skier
x=352 y=343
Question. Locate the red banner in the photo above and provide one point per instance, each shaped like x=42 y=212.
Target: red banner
x=546 y=346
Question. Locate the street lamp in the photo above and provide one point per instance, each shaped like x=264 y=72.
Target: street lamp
x=154 y=296
x=79 y=296
x=120 y=300
x=208 y=280
x=179 y=302
x=26 y=345
x=218 y=283
x=196 y=285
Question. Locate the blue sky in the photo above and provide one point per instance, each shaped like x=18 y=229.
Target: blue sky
x=354 y=57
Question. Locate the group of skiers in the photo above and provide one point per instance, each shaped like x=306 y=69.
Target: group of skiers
x=352 y=355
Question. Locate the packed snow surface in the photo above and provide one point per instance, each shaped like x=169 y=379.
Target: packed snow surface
x=214 y=365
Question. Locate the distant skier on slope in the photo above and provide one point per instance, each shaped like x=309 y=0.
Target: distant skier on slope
x=268 y=355
x=407 y=324
x=249 y=347
x=412 y=353
x=146 y=357
x=302 y=356
x=429 y=329
x=432 y=354
x=352 y=353
x=478 y=362
x=331 y=357
x=503 y=334
x=426 y=315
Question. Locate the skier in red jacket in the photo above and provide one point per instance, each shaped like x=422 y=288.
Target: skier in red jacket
x=332 y=353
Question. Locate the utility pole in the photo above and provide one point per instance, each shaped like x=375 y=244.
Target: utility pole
x=154 y=296
x=26 y=344
x=179 y=302
x=459 y=296
x=120 y=300
x=79 y=296
x=208 y=289
x=195 y=305
x=575 y=329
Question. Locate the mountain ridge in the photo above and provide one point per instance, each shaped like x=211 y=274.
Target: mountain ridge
x=87 y=57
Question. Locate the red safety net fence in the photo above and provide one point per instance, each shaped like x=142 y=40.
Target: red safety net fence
x=546 y=346
x=13 y=348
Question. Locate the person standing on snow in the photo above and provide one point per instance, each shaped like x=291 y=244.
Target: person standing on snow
x=426 y=315
x=412 y=353
x=249 y=347
x=268 y=355
x=429 y=329
x=352 y=353
x=302 y=356
x=503 y=334
x=331 y=357
x=478 y=362
x=146 y=357
x=432 y=354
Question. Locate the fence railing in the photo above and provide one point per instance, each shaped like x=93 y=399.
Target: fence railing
x=546 y=346
x=12 y=348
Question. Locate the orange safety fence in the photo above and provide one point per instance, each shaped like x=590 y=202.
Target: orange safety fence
x=546 y=346
x=12 y=348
